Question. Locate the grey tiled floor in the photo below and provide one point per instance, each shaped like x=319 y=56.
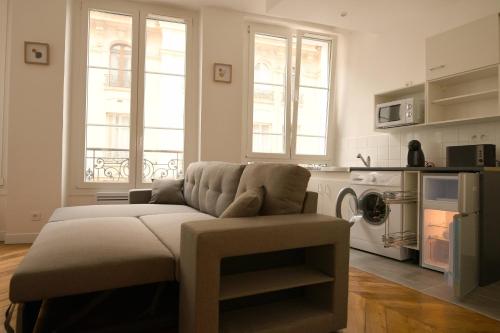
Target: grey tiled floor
x=485 y=300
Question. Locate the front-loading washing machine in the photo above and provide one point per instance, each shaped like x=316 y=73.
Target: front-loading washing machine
x=363 y=204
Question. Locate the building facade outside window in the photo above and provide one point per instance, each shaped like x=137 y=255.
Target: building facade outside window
x=135 y=91
x=291 y=75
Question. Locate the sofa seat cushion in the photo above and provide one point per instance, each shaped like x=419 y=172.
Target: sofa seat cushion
x=167 y=227
x=87 y=255
x=79 y=212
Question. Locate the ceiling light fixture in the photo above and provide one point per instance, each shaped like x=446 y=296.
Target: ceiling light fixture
x=343 y=13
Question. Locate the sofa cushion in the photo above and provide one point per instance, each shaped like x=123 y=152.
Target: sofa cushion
x=167 y=191
x=87 y=255
x=167 y=227
x=247 y=204
x=211 y=186
x=78 y=212
x=285 y=186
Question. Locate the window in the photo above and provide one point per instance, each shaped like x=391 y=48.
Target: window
x=3 y=69
x=120 y=60
x=135 y=95
x=290 y=95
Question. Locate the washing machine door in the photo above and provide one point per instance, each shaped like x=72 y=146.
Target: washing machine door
x=372 y=206
x=347 y=205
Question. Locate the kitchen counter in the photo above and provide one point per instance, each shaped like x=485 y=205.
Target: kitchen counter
x=430 y=169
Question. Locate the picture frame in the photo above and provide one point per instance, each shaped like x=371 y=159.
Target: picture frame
x=223 y=73
x=36 y=53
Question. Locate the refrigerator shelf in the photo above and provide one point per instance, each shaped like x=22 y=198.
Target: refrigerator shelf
x=400 y=197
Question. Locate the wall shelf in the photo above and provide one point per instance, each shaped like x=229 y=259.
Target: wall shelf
x=492 y=93
x=465 y=96
x=257 y=282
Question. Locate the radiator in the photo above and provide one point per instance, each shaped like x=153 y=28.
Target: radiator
x=111 y=198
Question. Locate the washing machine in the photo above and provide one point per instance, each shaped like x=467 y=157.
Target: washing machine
x=362 y=203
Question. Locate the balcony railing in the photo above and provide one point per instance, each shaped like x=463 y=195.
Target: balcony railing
x=112 y=165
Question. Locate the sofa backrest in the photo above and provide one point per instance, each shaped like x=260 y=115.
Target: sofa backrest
x=211 y=186
x=285 y=186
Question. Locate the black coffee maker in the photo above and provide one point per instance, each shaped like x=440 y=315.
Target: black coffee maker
x=416 y=156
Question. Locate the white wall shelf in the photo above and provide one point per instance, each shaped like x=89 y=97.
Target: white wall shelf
x=492 y=93
x=464 y=96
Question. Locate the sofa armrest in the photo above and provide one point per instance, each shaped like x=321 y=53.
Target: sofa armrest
x=139 y=196
x=205 y=243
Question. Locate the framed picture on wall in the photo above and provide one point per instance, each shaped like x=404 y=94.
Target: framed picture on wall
x=36 y=53
x=223 y=73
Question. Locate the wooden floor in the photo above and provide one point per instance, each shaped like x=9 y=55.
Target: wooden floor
x=375 y=305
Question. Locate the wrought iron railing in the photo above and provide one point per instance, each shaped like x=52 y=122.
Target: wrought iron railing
x=112 y=165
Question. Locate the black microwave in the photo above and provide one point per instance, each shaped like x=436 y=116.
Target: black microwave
x=471 y=156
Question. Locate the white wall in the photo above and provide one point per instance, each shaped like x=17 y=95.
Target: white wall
x=384 y=62
x=222 y=41
x=35 y=113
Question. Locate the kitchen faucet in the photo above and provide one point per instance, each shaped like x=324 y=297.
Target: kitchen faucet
x=365 y=162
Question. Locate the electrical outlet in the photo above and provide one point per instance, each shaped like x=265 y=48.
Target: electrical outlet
x=36 y=216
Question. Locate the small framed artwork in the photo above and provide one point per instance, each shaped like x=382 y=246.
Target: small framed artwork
x=36 y=53
x=223 y=73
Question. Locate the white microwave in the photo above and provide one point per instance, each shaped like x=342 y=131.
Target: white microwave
x=399 y=113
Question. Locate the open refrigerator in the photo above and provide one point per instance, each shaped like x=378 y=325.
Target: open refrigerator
x=450 y=228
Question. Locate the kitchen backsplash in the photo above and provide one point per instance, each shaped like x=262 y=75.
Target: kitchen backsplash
x=391 y=149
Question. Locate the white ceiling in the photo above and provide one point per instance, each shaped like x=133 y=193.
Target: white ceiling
x=376 y=16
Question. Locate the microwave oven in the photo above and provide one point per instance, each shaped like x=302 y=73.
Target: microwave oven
x=402 y=112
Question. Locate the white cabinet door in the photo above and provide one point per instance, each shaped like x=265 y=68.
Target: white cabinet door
x=328 y=190
x=462 y=49
x=464 y=254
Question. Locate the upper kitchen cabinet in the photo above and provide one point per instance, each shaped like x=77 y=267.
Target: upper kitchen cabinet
x=471 y=46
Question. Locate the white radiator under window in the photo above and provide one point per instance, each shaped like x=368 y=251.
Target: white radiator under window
x=111 y=198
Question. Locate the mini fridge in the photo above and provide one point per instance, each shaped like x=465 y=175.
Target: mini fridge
x=450 y=228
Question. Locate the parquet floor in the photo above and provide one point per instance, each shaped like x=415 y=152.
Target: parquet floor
x=375 y=305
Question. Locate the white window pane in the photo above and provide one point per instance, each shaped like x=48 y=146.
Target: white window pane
x=314 y=91
x=108 y=35
x=164 y=99
x=312 y=121
x=104 y=100
x=163 y=139
x=315 y=63
x=108 y=104
x=270 y=59
x=268 y=118
x=165 y=47
x=159 y=165
x=267 y=143
x=108 y=137
x=310 y=145
x=106 y=165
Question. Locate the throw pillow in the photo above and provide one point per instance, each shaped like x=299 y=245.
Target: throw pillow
x=167 y=191
x=247 y=204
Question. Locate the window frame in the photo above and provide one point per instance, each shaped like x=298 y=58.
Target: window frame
x=292 y=101
x=4 y=26
x=139 y=13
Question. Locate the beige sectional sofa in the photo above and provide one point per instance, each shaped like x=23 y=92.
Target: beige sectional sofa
x=226 y=269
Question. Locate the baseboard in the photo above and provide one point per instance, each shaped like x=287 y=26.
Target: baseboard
x=27 y=238
x=2 y=236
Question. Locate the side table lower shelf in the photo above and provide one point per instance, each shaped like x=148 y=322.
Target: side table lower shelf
x=290 y=316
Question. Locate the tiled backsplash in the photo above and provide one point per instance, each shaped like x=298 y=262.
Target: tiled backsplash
x=391 y=149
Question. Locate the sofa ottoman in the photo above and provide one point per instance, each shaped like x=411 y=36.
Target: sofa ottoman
x=86 y=255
